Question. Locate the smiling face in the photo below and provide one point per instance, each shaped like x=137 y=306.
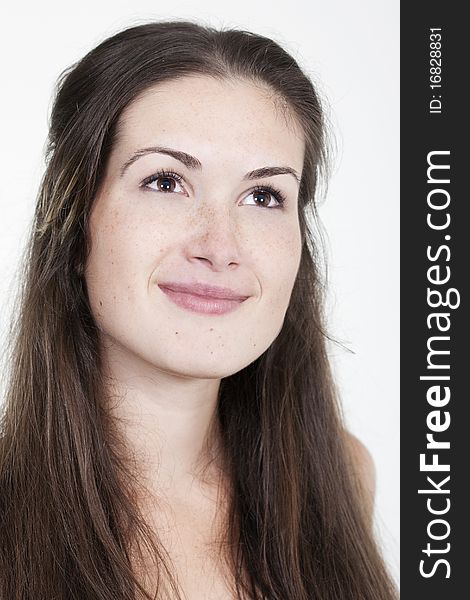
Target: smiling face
x=196 y=212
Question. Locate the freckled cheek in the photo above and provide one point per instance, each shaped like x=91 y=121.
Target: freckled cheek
x=127 y=242
x=279 y=261
x=114 y=262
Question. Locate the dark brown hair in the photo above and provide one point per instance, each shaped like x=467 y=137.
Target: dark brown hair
x=297 y=529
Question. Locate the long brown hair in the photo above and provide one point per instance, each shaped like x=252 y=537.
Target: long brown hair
x=296 y=526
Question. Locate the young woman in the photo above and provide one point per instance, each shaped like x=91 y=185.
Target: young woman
x=171 y=428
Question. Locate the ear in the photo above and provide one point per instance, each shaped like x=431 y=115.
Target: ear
x=364 y=467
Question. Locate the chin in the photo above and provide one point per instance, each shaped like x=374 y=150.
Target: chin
x=210 y=364
x=206 y=368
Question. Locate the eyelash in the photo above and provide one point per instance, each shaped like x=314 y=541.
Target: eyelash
x=278 y=195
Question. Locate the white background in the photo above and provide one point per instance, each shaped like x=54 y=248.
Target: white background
x=351 y=49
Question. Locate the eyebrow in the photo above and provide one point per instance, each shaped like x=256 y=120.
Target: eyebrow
x=192 y=162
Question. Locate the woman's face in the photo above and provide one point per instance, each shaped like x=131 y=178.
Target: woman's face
x=200 y=222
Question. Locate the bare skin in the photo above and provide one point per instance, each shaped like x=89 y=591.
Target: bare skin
x=189 y=528
x=163 y=363
x=365 y=468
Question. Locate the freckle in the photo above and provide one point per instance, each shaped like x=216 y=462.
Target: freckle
x=176 y=333
x=211 y=329
x=212 y=353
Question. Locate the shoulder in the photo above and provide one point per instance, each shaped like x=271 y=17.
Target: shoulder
x=363 y=464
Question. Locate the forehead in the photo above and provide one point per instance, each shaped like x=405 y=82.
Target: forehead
x=229 y=118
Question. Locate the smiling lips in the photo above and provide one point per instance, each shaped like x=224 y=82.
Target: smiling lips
x=203 y=298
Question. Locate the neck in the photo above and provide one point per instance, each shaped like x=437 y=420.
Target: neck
x=168 y=424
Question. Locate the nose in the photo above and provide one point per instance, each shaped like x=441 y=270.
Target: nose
x=214 y=238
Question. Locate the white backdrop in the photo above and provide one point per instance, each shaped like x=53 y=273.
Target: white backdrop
x=352 y=51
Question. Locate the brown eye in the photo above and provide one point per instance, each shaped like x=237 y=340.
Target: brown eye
x=263 y=197
x=267 y=197
x=165 y=183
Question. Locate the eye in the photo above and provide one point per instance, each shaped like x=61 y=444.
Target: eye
x=166 y=182
x=267 y=197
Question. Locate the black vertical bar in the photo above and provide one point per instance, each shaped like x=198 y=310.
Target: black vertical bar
x=435 y=257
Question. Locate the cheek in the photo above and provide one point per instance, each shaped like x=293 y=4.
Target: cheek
x=115 y=273
x=277 y=264
x=281 y=259
x=126 y=247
